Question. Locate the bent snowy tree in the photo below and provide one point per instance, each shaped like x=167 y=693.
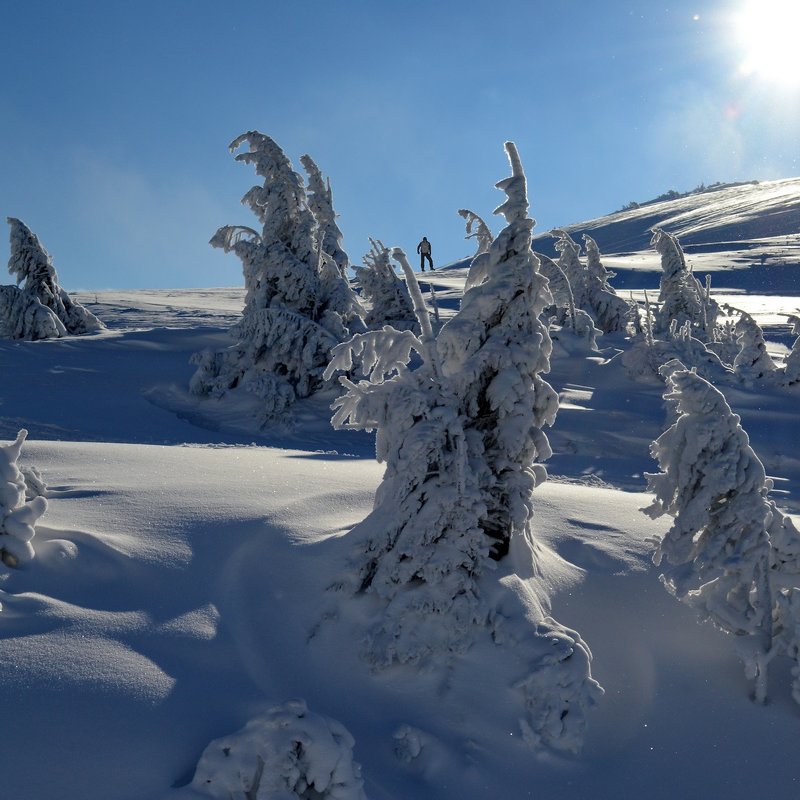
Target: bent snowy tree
x=298 y=304
x=683 y=299
x=460 y=436
x=37 y=307
x=730 y=553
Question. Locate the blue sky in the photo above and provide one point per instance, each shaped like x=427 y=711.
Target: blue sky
x=115 y=118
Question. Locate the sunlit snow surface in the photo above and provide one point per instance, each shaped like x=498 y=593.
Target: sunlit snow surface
x=180 y=585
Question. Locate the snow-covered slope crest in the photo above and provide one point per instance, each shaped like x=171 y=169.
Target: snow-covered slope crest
x=746 y=211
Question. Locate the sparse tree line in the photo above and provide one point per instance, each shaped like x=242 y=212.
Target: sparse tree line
x=460 y=411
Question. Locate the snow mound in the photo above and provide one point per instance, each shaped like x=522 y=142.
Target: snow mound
x=289 y=752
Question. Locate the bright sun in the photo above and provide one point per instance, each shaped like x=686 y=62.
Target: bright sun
x=768 y=32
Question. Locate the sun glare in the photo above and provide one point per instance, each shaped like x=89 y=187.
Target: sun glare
x=768 y=32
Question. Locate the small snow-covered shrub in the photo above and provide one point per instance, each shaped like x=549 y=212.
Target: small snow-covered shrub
x=17 y=516
x=590 y=290
x=579 y=324
x=38 y=308
x=644 y=359
x=35 y=485
x=290 y=752
x=752 y=362
x=724 y=342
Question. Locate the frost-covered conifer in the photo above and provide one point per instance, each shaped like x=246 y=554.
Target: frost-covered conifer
x=634 y=318
x=460 y=436
x=570 y=263
x=494 y=351
x=386 y=295
x=752 y=362
x=336 y=292
x=563 y=306
x=477 y=229
x=681 y=295
x=716 y=556
x=17 y=516
x=589 y=285
x=294 y=312
x=288 y=753
x=38 y=308
x=608 y=309
x=791 y=367
x=320 y=201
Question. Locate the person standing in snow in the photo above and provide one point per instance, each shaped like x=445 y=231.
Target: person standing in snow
x=424 y=250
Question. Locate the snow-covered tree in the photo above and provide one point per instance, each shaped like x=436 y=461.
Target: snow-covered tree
x=608 y=309
x=752 y=362
x=37 y=307
x=791 y=367
x=716 y=556
x=477 y=229
x=588 y=283
x=563 y=306
x=634 y=318
x=387 y=296
x=335 y=289
x=289 y=752
x=320 y=201
x=294 y=310
x=461 y=436
x=682 y=298
x=570 y=263
x=494 y=351
x=17 y=516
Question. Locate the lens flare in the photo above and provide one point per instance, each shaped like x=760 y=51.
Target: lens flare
x=767 y=31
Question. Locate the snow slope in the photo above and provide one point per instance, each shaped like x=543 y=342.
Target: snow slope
x=181 y=585
x=750 y=231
